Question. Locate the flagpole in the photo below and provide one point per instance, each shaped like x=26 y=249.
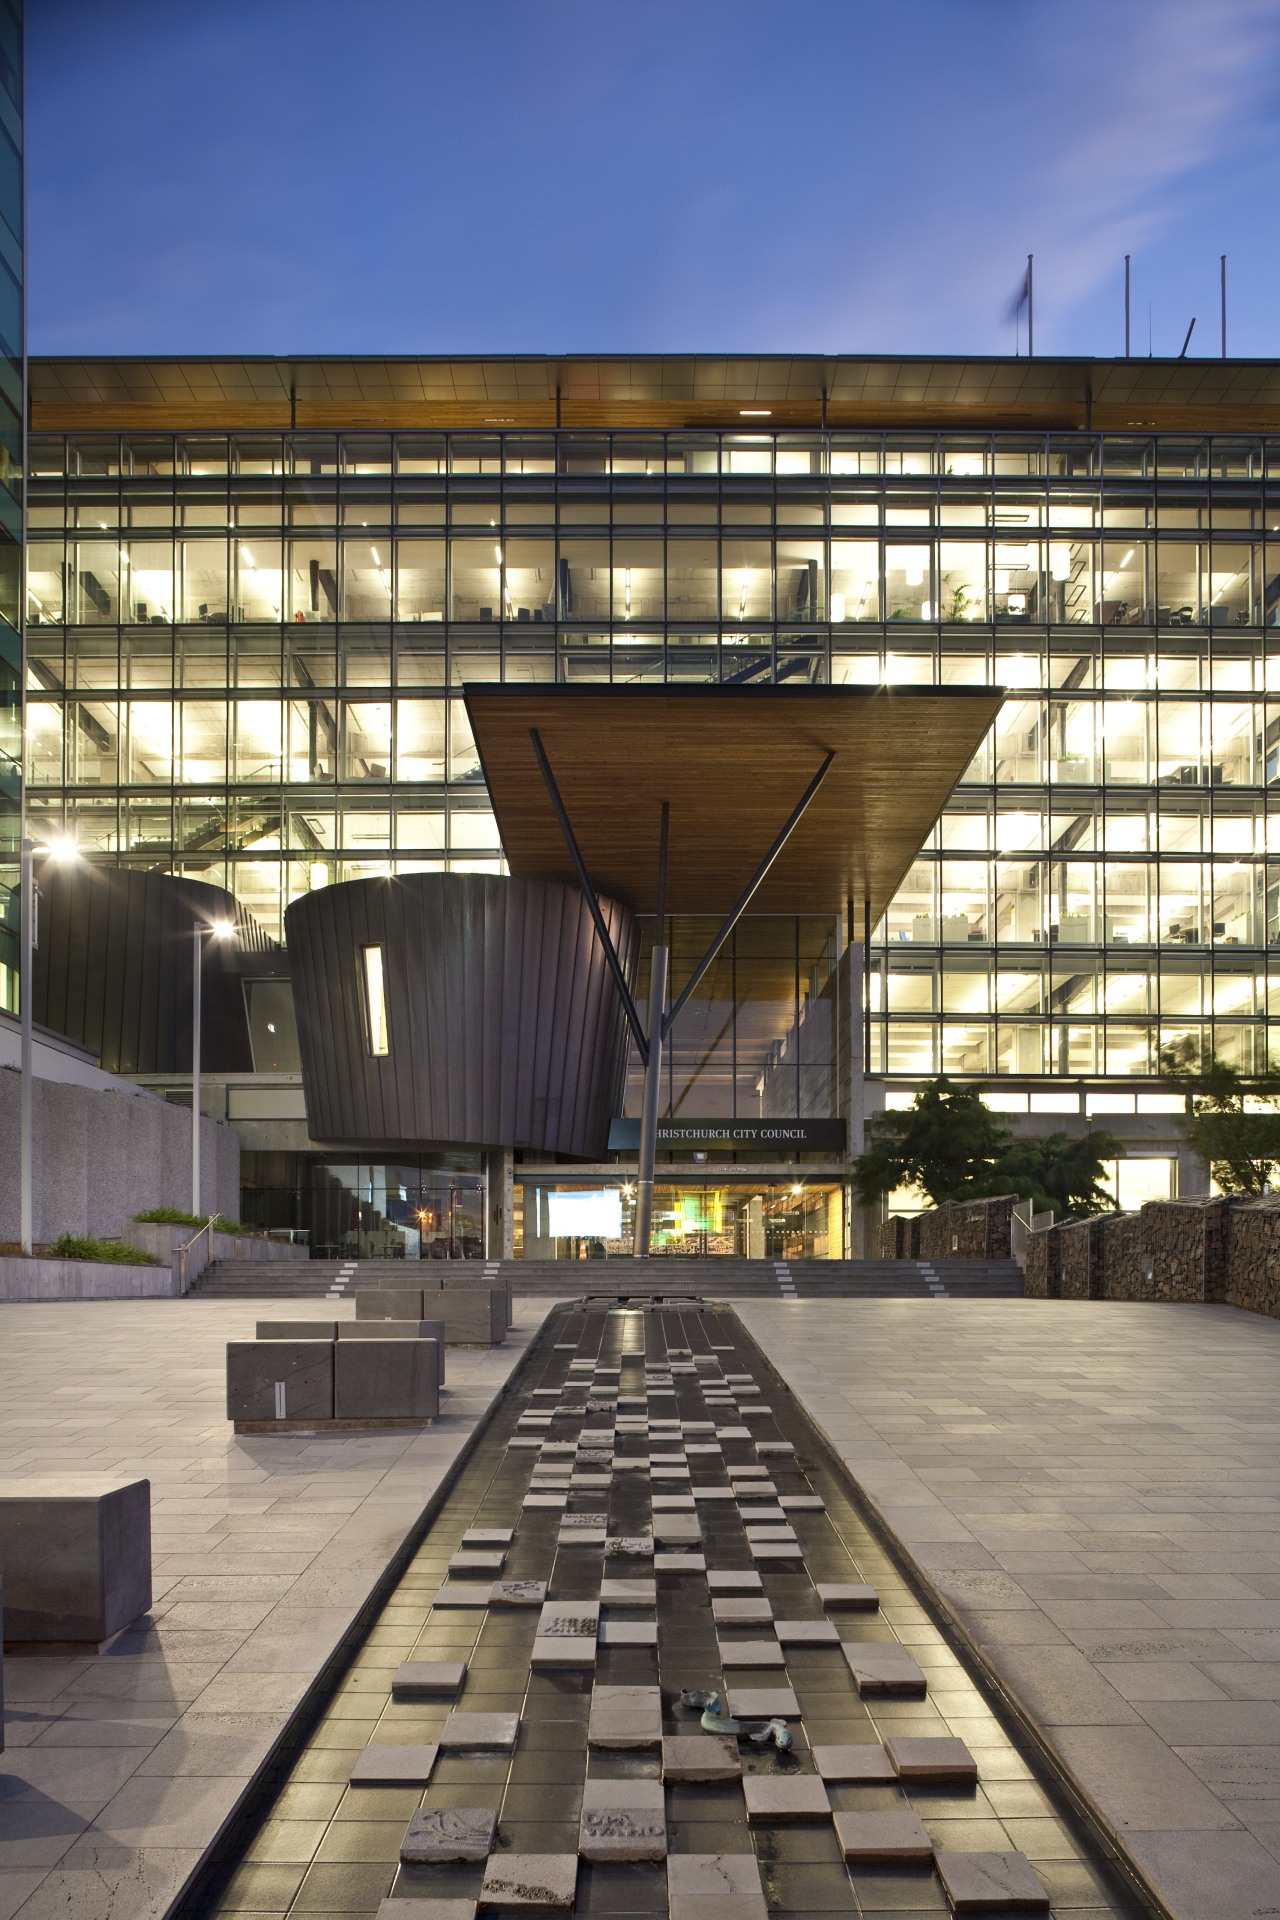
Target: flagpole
x=1030 y=310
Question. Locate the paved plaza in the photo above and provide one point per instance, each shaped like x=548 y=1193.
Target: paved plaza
x=1094 y=1490
x=118 y=1772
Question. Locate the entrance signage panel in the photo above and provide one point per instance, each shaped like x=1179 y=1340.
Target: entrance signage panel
x=735 y=1136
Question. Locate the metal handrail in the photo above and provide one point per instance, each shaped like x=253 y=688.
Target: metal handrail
x=186 y=1247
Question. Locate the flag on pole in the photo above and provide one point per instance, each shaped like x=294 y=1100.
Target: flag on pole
x=1021 y=297
x=1024 y=298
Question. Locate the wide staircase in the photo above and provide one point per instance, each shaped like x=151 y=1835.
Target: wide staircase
x=665 y=1277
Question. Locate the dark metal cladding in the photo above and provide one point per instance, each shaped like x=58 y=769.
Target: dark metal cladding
x=113 y=968
x=504 y=1026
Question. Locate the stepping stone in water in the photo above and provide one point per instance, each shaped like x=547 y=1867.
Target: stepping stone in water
x=421 y=1679
x=721 y=1580
x=852 y=1599
x=896 y=1837
x=990 y=1883
x=750 y=1653
x=543 y=1500
x=796 y=1796
x=477 y=1562
x=864 y=1765
x=480 y=1732
x=714 y=1886
x=629 y=1633
x=748 y=1473
x=569 y=1618
x=774 y=1549
x=518 y=1593
x=625 y=1544
x=933 y=1759
x=713 y=1493
x=393 y=1767
x=463 y=1593
x=436 y=1835
x=679 y=1563
x=802 y=1503
x=672 y=1503
x=569 y=1650
x=677 y=1529
x=882 y=1666
x=623 y=1820
x=765 y=1526
x=625 y=1717
x=488 y=1536
x=426 y=1910
x=628 y=1593
x=699 y=1757
x=583 y=1536
x=777 y=1447
x=733 y=1433
x=763 y=1703
x=748 y=1613
x=805 y=1633
x=529 y=1883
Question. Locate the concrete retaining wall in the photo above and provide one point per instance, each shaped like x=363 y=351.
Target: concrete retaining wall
x=163 y=1241
x=102 y=1154
x=82 y=1280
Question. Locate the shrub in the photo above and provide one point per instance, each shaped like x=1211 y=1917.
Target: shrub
x=169 y=1217
x=83 y=1246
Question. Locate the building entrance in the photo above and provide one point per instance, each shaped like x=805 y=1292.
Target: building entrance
x=789 y=1218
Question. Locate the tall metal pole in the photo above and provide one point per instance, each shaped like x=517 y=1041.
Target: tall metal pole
x=1031 y=305
x=1126 y=306
x=197 y=953
x=26 y=977
x=658 y=963
x=1223 y=265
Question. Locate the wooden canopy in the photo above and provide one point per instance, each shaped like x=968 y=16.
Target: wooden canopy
x=732 y=762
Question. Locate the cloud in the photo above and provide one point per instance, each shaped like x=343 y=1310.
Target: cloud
x=1113 y=114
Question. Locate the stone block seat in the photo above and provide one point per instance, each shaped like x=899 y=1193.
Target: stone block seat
x=310 y=1384
x=471 y=1316
x=75 y=1560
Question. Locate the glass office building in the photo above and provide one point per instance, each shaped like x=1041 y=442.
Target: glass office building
x=12 y=390
x=246 y=650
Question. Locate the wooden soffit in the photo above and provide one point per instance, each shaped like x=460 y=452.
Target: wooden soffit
x=732 y=762
x=621 y=391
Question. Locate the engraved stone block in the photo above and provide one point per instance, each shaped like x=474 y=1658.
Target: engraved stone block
x=623 y=1820
x=436 y=1835
x=529 y=1883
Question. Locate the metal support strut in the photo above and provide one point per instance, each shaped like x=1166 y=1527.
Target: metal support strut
x=658 y=964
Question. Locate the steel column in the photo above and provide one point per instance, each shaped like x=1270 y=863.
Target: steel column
x=26 y=988
x=658 y=965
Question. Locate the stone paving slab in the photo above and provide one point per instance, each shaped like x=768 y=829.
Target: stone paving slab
x=1094 y=1490
x=264 y=1549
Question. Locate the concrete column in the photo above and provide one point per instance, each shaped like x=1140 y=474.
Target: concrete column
x=499 y=1172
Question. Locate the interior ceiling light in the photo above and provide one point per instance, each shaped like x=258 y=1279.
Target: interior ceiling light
x=755 y=413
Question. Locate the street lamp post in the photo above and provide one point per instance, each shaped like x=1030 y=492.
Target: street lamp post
x=221 y=930
x=28 y=936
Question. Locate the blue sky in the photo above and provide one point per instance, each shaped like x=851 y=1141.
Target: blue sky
x=553 y=176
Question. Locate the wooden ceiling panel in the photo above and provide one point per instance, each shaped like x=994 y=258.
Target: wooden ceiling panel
x=732 y=762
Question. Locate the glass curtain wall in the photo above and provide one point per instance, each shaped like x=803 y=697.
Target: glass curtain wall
x=12 y=407
x=245 y=657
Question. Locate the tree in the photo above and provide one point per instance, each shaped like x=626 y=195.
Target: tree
x=1239 y=1143
x=950 y=1145
x=940 y=1144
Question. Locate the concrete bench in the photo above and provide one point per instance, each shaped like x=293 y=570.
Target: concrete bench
x=287 y=1386
x=75 y=1558
x=377 y=1380
x=472 y=1317
x=356 y=1330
